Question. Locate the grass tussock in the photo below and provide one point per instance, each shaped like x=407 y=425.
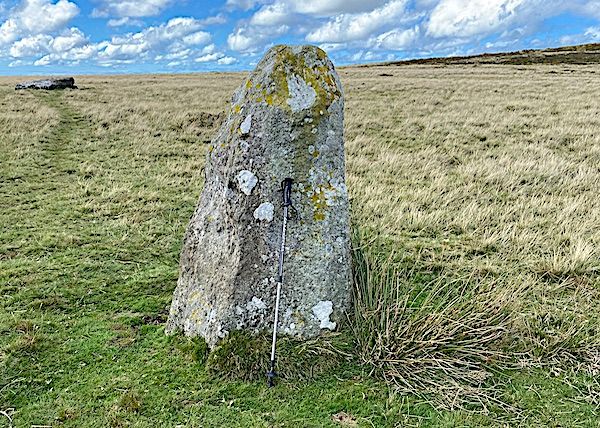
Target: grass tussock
x=430 y=333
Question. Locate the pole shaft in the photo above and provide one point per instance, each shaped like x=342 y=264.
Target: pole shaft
x=279 y=284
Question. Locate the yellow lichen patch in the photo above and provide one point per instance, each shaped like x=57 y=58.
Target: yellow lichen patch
x=237 y=109
x=249 y=84
x=299 y=319
x=321 y=54
x=197 y=315
x=319 y=203
x=315 y=153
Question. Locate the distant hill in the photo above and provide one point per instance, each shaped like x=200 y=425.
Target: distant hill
x=580 y=54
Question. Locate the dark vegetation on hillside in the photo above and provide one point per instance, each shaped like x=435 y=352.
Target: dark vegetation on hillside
x=580 y=54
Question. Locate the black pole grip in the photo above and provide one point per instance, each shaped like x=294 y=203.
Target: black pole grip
x=286 y=186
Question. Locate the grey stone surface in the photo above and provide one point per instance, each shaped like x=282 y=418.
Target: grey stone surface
x=48 y=84
x=286 y=120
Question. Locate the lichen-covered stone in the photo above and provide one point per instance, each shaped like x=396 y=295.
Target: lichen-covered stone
x=48 y=84
x=286 y=120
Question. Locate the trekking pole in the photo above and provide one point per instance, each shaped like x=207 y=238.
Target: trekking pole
x=286 y=186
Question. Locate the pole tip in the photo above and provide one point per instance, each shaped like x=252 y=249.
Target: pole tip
x=271 y=378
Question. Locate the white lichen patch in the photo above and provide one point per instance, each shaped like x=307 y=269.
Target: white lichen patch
x=323 y=311
x=330 y=196
x=302 y=95
x=255 y=305
x=246 y=124
x=264 y=212
x=246 y=180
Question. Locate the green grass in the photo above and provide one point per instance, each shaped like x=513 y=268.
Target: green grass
x=90 y=232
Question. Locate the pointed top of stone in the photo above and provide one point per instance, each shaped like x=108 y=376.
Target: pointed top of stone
x=300 y=79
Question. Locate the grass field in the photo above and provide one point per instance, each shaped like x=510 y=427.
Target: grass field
x=474 y=193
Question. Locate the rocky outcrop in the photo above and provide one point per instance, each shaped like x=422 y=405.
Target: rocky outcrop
x=286 y=120
x=48 y=84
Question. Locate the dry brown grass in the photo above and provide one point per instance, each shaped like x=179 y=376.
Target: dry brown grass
x=485 y=176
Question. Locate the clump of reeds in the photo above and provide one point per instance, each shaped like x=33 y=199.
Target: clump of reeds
x=429 y=333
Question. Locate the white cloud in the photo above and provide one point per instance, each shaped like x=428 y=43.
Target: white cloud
x=36 y=28
x=586 y=8
x=209 y=57
x=131 y=8
x=218 y=57
x=240 y=41
x=9 y=31
x=72 y=56
x=31 y=46
x=197 y=38
x=329 y=7
x=398 y=39
x=590 y=35
x=171 y=37
x=44 y=42
x=228 y=60
x=17 y=63
x=301 y=16
x=66 y=41
x=296 y=11
x=120 y=22
x=252 y=38
x=214 y=20
x=332 y=47
x=43 y=16
x=70 y=46
x=33 y=17
x=181 y=54
x=274 y=14
x=349 y=27
x=241 y=4
x=208 y=49
x=357 y=56
x=466 y=18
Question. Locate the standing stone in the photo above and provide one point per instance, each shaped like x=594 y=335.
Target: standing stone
x=286 y=120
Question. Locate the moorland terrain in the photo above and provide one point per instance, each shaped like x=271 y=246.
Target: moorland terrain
x=474 y=189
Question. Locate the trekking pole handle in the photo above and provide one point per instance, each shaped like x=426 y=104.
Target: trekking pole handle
x=286 y=186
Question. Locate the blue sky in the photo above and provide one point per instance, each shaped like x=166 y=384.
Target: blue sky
x=156 y=36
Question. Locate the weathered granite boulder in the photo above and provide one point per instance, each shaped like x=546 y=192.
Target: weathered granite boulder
x=48 y=84
x=286 y=120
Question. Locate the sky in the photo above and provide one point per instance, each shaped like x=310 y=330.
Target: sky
x=45 y=37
